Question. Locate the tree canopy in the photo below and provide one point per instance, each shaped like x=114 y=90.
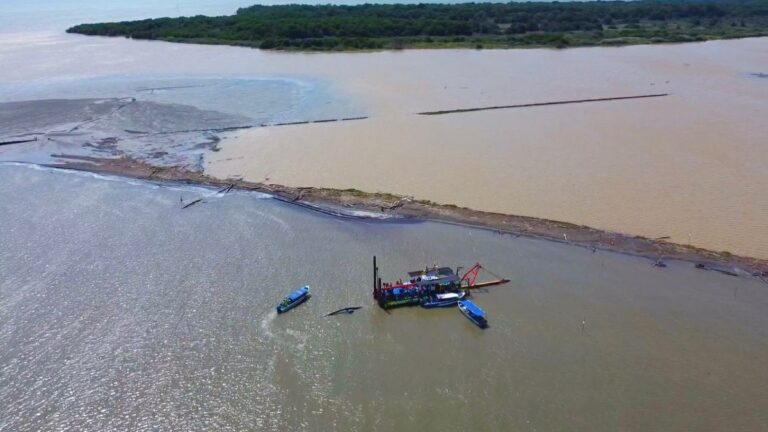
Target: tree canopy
x=324 y=27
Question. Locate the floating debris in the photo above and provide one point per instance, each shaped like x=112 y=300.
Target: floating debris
x=725 y=271
x=192 y=203
x=225 y=190
x=2 y=143
x=346 y=310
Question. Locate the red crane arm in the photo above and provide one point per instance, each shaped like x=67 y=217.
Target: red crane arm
x=471 y=274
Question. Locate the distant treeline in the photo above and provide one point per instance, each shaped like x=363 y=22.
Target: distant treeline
x=377 y=26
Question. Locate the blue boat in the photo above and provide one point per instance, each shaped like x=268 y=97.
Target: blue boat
x=442 y=300
x=473 y=312
x=294 y=299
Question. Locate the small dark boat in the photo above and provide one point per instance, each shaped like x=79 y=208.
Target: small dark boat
x=442 y=300
x=294 y=299
x=473 y=312
x=346 y=310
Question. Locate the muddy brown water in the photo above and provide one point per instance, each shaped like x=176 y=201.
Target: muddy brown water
x=690 y=165
x=120 y=311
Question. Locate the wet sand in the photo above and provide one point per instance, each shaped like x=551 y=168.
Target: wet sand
x=690 y=165
x=355 y=204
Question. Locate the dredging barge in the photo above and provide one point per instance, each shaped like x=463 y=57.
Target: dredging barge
x=422 y=287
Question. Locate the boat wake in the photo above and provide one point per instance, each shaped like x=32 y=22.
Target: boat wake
x=300 y=337
x=266 y=324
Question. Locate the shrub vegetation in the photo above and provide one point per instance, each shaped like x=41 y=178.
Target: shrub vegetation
x=468 y=25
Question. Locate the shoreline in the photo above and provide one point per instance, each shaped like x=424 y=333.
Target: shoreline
x=474 y=25
x=324 y=199
x=415 y=46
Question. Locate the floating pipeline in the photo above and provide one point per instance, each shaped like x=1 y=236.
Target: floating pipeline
x=536 y=104
x=294 y=123
x=3 y=143
x=209 y=130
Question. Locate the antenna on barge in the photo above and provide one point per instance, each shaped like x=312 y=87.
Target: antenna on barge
x=376 y=280
x=375 y=272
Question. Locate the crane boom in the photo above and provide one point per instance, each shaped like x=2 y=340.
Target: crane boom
x=471 y=275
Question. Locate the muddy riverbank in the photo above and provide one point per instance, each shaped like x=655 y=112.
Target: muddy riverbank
x=340 y=202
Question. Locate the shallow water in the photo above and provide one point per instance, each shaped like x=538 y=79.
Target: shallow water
x=118 y=311
x=263 y=99
x=689 y=166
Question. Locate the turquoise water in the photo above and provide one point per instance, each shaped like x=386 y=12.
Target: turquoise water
x=182 y=95
x=263 y=99
x=32 y=29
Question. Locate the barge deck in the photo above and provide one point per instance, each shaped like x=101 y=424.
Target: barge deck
x=423 y=285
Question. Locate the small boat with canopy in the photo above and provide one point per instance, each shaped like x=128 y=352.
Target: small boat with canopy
x=474 y=313
x=294 y=299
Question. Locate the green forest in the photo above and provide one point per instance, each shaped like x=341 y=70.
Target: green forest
x=463 y=25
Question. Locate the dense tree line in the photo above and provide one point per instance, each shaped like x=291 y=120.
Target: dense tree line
x=400 y=25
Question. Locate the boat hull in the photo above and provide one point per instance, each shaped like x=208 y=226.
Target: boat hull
x=439 y=304
x=391 y=304
x=283 y=309
x=444 y=300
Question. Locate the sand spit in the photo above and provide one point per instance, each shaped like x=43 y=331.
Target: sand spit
x=690 y=165
x=326 y=199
